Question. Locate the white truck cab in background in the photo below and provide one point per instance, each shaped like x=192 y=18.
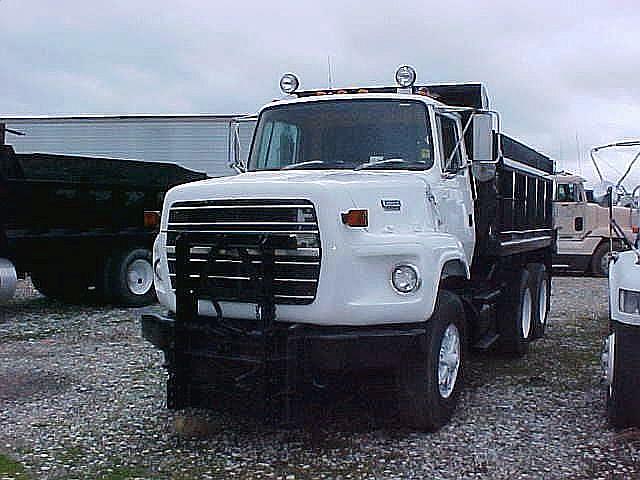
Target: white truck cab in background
x=583 y=228
x=375 y=231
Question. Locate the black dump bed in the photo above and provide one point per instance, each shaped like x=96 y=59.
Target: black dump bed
x=53 y=196
x=514 y=212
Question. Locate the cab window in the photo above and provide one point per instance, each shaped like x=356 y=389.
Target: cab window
x=567 y=192
x=448 y=133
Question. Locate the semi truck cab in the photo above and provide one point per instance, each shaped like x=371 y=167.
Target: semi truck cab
x=583 y=228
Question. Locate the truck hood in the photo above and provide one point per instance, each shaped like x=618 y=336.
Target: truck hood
x=331 y=191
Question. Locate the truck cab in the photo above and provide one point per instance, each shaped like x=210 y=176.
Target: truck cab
x=583 y=228
x=372 y=229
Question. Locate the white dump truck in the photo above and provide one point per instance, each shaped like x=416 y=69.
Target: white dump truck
x=375 y=231
x=583 y=228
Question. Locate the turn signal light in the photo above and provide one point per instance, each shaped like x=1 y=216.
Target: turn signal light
x=151 y=219
x=356 y=218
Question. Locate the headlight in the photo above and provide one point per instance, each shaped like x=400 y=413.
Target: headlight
x=405 y=278
x=629 y=301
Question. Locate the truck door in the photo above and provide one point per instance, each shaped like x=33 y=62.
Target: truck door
x=454 y=189
x=569 y=211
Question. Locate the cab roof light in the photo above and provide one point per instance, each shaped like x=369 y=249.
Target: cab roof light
x=405 y=76
x=356 y=218
x=289 y=83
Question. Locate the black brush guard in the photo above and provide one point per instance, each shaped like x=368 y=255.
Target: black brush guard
x=264 y=361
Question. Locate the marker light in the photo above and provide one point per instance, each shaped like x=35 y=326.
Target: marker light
x=405 y=76
x=151 y=219
x=289 y=83
x=356 y=218
x=405 y=278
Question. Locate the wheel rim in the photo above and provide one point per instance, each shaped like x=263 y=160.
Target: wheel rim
x=525 y=321
x=542 y=302
x=449 y=361
x=139 y=277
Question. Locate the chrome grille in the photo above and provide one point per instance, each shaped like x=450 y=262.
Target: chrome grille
x=242 y=222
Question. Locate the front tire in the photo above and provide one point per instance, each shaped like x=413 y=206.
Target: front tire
x=621 y=360
x=430 y=380
x=601 y=258
x=129 y=278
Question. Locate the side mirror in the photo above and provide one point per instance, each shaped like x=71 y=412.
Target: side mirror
x=234 y=148
x=482 y=137
x=483 y=171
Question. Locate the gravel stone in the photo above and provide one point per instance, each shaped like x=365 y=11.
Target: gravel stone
x=83 y=396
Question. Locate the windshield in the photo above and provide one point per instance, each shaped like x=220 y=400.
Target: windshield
x=376 y=134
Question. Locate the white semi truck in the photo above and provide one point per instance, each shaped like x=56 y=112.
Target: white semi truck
x=374 y=230
x=583 y=228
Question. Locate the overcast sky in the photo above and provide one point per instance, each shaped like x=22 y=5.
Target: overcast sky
x=562 y=74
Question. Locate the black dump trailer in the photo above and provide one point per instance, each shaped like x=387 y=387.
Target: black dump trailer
x=82 y=227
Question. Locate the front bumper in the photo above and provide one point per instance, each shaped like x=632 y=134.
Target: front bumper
x=322 y=348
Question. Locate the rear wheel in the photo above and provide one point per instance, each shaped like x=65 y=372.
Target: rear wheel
x=129 y=277
x=541 y=288
x=53 y=283
x=621 y=362
x=430 y=381
x=516 y=314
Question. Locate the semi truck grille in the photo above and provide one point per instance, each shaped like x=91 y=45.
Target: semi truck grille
x=234 y=228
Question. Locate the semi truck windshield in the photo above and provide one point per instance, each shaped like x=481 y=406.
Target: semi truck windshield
x=343 y=134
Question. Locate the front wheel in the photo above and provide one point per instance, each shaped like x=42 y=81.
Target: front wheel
x=601 y=258
x=430 y=381
x=621 y=363
x=129 y=278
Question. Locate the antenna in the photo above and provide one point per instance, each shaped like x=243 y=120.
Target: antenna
x=329 y=68
x=579 y=154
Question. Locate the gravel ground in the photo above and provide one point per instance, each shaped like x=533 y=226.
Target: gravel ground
x=82 y=396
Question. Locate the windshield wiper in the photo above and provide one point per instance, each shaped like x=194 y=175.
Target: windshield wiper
x=293 y=166
x=379 y=163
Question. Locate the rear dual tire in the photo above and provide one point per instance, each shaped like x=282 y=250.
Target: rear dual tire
x=125 y=278
x=523 y=309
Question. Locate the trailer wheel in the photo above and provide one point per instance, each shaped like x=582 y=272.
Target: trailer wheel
x=516 y=314
x=430 y=380
x=129 y=278
x=621 y=362
x=541 y=290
